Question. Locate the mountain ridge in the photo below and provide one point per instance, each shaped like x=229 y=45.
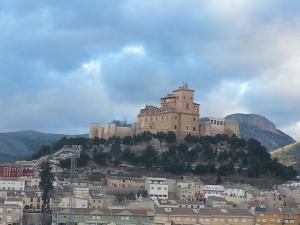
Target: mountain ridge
x=22 y=144
x=262 y=129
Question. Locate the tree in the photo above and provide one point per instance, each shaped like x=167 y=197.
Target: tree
x=115 y=148
x=83 y=159
x=127 y=140
x=44 y=150
x=171 y=137
x=46 y=183
x=149 y=156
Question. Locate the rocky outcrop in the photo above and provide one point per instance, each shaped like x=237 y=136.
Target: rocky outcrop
x=261 y=129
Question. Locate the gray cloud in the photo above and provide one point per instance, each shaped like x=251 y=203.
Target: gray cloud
x=234 y=53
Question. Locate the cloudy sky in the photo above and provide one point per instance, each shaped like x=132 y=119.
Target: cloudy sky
x=64 y=64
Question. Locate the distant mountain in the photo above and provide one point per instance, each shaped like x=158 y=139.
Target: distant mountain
x=289 y=155
x=21 y=144
x=261 y=129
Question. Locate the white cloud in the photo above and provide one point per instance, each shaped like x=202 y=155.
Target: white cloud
x=224 y=100
x=293 y=130
x=92 y=68
x=134 y=50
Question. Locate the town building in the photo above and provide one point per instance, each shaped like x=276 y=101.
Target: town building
x=125 y=182
x=10 y=214
x=75 y=202
x=12 y=183
x=214 y=201
x=33 y=201
x=102 y=216
x=211 y=216
x=189 y=190
x=277 y=216
x=177 y=113
x=213 y=190
x=157 y=188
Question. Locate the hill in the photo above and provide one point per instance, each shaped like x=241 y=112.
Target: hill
x=218 y=156
x=22 y=144
x=289 y=155
x=260 y=128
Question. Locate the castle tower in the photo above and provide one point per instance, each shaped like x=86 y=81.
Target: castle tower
x=178 y=113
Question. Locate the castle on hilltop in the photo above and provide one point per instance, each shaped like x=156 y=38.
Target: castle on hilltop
x=177 y=113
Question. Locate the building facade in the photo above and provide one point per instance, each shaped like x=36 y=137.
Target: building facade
x=157 y=187
x=10 y=214
x=62 y=216
x=12 y=184
x=187 y=216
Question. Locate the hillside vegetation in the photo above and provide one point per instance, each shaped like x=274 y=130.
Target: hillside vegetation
x=220 y=155
x=288 y=155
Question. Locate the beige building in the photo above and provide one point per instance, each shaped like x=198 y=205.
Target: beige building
x=212 y=216
x=125 y=182
x=177 y=113
x=10 y=214
x=33 y=201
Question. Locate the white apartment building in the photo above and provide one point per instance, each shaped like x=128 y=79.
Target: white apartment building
x=235 y=192
x=213 y=190
x=12 y=183
x=157 y=188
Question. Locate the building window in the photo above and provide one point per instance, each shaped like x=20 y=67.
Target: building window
x=187 y=106
x=194 y=118
x=194 y=128
x=162 y=117
x=175 y=117
x=187 y=127
x=175 y=127
x=218 y=123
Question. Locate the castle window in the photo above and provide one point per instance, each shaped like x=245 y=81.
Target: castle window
x=175 y=117
x=221 y=123
x=187 y=127
x=194 y=128
x=175 y=127
x=194 y=118
x=218 y=123
x=211 y=121
x=162 y=117
x=215 y=122
x=187 y=106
